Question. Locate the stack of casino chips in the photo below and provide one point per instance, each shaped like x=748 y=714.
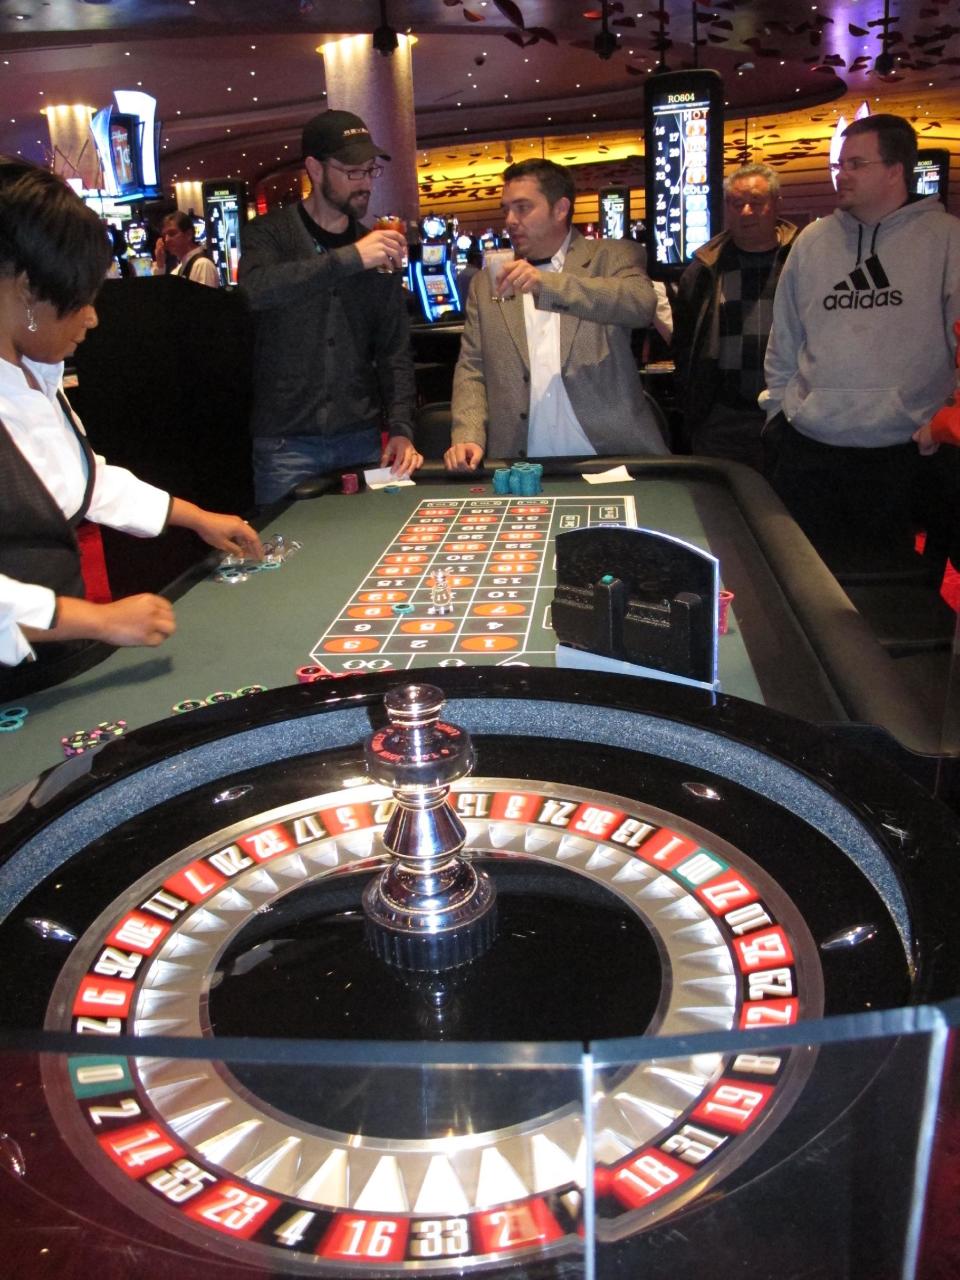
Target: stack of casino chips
x=523 y=478
x=310 y=675
x=222 y=695
x=85 y=739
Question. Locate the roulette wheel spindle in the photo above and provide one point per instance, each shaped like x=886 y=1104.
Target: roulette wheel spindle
x=430 y=909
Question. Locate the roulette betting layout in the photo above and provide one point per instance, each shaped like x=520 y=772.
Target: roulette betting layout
x=497 y=555
x=652 y=862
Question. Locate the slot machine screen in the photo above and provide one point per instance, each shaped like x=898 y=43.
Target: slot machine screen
x=436 y=286
x=931 y=174
x=136 y=235
x=433 y=255
x=683 y=120
x=614 y=213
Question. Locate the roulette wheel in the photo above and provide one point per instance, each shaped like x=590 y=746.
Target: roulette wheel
x=529 y=1054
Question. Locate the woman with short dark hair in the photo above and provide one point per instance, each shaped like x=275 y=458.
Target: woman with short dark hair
x=54 y=253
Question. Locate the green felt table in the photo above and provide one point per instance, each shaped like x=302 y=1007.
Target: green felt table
x=794 y=643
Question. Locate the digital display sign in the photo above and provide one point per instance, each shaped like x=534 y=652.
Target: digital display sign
x=125 y=137
x=931 y=174
x=223 y=206
x=614 y=213
x=683 y=121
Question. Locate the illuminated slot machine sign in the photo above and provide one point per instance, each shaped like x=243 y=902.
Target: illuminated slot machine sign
x=139 y=245
x=614 y=213
x=223 y=203
x=463 y=244
x=683 y=124
x=931 y=173
x=434 y=284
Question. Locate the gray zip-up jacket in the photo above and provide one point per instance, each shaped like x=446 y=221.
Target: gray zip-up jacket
x=332 y=340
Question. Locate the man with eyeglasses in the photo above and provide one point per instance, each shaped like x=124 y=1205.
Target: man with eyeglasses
x=861 y=353
x=722 y=316
x=332 y=360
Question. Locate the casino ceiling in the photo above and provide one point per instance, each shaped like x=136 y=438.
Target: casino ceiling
x=235 y=79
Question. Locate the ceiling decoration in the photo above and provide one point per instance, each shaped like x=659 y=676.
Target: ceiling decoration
x=235 y=79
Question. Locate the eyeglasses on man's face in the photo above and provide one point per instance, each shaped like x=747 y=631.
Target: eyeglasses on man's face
x=355 y=175
x=853 y=165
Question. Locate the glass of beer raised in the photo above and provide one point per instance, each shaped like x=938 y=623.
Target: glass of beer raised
x=392 y=222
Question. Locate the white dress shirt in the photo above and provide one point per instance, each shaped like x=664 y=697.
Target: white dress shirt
x=553 y=428
x=35 y=422
x=205 y=271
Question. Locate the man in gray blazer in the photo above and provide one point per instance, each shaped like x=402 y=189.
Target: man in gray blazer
x=546 y=368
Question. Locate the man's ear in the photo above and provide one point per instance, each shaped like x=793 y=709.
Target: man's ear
x=561 y=210
x=314 y=170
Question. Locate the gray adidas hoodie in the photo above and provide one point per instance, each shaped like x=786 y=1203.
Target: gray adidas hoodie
x=861 y=351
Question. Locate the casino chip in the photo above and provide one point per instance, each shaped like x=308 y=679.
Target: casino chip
x=13 y=718
x=81 y=740
x=307 y=675
x=188 y=704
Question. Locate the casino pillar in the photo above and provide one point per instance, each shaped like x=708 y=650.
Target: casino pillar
x=380 y=90
x=71 y=144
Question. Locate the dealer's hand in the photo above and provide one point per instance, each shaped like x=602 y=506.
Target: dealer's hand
x=463 y=457
x=401 y=457
x=226 y=533
x=381 y=248
x=134 y=620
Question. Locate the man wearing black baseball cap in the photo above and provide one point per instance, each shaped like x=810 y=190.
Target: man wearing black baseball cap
x=332 y=361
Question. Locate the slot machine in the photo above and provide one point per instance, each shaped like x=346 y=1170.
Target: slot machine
x=462 y=245
x=138 y=243
x=431 y=275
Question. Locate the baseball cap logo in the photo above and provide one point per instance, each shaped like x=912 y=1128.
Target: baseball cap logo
x=341 y=136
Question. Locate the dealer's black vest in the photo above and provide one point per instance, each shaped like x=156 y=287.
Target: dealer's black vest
x=37 y=542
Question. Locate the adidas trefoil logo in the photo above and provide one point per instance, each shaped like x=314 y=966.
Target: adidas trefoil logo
x=865 y=287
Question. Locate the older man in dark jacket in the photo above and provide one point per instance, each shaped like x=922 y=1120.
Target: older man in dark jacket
x=722 y=317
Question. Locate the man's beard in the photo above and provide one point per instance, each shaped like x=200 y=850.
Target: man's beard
x=354 y=206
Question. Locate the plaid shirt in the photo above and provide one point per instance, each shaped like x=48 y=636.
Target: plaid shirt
x=745 y=318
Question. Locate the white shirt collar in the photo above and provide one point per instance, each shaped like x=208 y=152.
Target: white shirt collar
x=13 y=381
x=558 y=259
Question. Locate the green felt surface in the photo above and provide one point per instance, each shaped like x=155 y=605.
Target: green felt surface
x=261 y=630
